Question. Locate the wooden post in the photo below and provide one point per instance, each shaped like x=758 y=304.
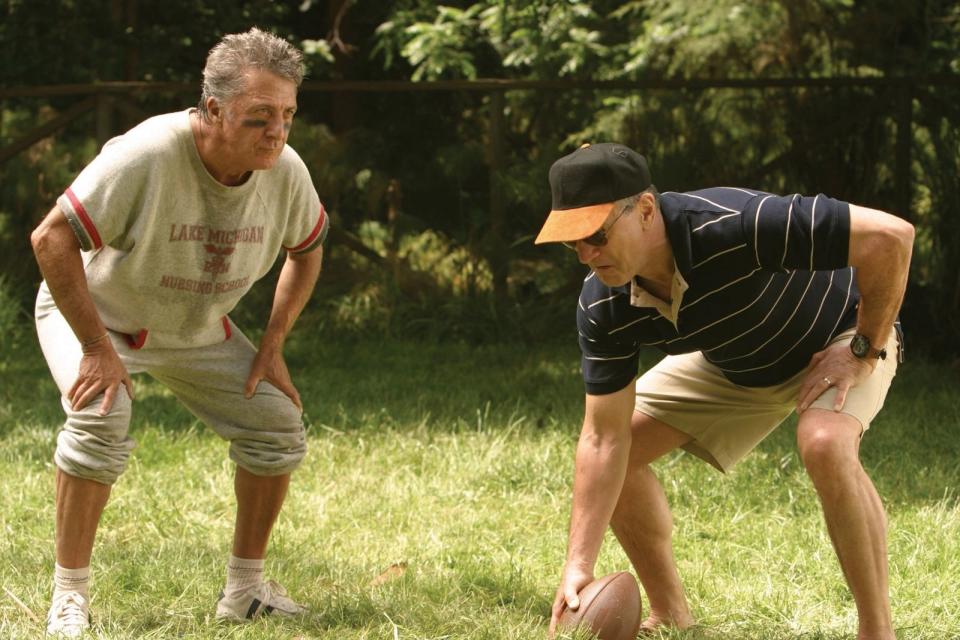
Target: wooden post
x=902 y=182
x=104 y=124
x=50 y=126
x=131 y=54
x=498 y=242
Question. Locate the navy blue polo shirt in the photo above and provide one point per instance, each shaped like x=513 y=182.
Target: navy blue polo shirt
x=767 y=286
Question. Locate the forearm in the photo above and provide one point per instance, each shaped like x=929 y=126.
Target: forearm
x=294 y=288
x=58 y=255
x=880 y=248
x=601 y=465
x=880 y=300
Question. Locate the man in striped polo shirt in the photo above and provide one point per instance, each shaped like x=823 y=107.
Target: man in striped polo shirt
x=765 y=304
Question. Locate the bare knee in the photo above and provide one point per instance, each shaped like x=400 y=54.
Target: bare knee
x=828 y=446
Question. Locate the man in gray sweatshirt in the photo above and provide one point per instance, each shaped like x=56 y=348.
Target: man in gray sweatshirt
x=143 y=257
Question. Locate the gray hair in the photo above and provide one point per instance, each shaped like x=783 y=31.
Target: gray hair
x=224 y=76
x=625 y=204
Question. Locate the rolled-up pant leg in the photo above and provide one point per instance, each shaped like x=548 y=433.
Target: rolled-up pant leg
x=89 y=446
x=266 y=432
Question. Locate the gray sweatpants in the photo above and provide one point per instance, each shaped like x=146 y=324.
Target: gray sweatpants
x=266 y=432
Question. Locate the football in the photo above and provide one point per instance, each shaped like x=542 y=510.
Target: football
x=610 y=607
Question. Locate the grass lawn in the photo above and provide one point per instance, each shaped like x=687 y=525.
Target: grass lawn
x=434 y=503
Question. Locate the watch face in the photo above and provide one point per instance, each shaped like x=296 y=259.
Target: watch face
x=860 y=345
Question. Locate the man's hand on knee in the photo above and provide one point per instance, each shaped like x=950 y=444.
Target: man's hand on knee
x=100 y=372
x=837 y=367
x=269 y=365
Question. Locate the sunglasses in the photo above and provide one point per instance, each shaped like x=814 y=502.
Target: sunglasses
x=599 y=238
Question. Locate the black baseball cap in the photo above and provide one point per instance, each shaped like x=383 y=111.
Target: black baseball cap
x=585 y=184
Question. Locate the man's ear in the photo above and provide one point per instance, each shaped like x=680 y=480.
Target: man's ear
x=647 y=207
x=214 y=110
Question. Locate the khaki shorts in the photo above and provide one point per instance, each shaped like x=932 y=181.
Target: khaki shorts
x=727 y=420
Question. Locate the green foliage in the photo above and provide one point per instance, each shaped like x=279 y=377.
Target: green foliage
x=937 y=249
x=318 y=48
x=839 y=141
x=30 y=185
x=431 y=286
x=436 y=148
x=558 y=38
x=14 y=322
x=451 y=268
x=105 y=40
x=544 y=37
x=436 y=48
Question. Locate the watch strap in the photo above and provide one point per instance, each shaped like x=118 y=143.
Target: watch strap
x=861 y=348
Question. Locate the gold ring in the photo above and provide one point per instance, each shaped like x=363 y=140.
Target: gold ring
x=827 y=381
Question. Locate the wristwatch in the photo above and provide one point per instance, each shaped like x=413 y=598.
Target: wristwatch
x=861 y=348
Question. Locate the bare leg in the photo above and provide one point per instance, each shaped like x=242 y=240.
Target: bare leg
x=259 y=499
x=80 y=503
x=643 y=524
x=829 y=446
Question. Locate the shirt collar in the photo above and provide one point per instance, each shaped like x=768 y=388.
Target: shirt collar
x=640 y=297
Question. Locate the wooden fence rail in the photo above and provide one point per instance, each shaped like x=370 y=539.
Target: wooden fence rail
x=106 y=97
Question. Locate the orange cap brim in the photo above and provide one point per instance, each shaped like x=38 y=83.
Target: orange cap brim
x=570 y=225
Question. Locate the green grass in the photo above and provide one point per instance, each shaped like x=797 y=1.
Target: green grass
x=455 y=462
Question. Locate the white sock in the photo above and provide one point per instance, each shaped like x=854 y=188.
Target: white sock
x=242 y=573
x=71 y=580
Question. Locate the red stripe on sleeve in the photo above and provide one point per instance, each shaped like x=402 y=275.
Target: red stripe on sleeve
x=226 y=328
x=84 y=219
x=313 y=234
x=137 y=341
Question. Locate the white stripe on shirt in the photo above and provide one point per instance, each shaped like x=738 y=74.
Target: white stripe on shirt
x=705 y=261
x=706 y=224
x=845 y=301
x=629 y=324
x=786 y=233
x=740 y=190
x=727 y=317
x=813 y=219
x=823 y=301
x=611 y=357
x=710 y=293
x=593 y=304
x=719 y=206
x=756 y=229
x=751 y=329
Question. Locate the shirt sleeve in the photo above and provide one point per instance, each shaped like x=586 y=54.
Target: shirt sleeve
x=797 y=232
x=309 y=223
x=608 y=365
x=101 y=202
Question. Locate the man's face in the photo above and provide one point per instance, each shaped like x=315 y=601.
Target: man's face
x=625 y=254
x=256 y=123
x=607 y=260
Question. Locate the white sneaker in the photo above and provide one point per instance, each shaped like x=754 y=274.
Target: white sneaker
x=259 y=600
x=69 y=615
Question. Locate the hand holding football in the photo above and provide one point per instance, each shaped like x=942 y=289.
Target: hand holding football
x=610 y=607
